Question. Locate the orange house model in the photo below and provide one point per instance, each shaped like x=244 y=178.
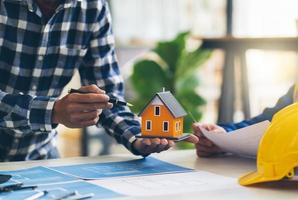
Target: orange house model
x=162 y=117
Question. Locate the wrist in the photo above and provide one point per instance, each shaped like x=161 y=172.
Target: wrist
x=55 y=115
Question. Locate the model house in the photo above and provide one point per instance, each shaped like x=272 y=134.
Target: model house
x=163 y=117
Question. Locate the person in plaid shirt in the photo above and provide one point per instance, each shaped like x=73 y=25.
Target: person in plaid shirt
x=42 y=42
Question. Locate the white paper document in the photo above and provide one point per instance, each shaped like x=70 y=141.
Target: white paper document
x=244 y=141
x=167 y=184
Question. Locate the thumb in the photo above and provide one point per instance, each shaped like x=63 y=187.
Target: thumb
x=197 y=129
x=192 y=139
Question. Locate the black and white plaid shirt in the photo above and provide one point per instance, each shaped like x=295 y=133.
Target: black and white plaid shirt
x=38 y=58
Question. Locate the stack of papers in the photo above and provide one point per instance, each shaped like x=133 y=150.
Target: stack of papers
x=135 y=178
x=58 y=181
x=244 y=141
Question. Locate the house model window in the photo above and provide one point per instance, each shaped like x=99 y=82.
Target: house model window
x=157 y=110
x=148 y=125
x=165 y=126
x=178 y=126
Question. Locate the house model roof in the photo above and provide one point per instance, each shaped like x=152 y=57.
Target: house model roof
x=170 y=102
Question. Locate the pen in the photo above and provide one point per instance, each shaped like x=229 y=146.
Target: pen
x=112 y=100
x=66 y=195
x=16 y=186
x=81 y=197
x=37 y=195
x=11 y=187
x=25 y=187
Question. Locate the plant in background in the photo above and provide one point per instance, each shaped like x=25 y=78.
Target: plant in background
x=174 y=67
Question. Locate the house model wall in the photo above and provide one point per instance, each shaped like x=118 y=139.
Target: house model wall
x=163 y=117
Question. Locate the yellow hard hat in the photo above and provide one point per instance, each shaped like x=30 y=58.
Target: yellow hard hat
x=278 y=149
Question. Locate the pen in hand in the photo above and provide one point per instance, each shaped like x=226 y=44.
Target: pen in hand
x=112 y=100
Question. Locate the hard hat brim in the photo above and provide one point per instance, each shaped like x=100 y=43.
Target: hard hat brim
x=252 y=178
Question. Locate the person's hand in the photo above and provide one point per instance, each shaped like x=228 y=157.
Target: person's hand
x=81 y=110
x=147 y=146
x=205 y=148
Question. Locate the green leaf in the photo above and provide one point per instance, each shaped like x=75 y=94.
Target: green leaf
x=188 y=120
x=148 y=78
x=191 y=100
x=191 y=60
x=187 y=82
x=171 y=51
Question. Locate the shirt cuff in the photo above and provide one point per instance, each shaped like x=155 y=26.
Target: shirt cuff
x=40 y=114
x=130 y=136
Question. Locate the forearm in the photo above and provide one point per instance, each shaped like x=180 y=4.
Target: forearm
x=100 y=67
x=26 y=113
x=121 y=124
x=267 y=114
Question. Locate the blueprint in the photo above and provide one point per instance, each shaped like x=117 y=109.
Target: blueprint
x=144 y=166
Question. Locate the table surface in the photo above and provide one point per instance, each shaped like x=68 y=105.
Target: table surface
x=229 y=166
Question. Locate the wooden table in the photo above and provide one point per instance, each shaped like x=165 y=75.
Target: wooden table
x=227 y=166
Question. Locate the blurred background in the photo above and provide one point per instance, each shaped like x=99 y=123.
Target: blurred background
x=226 y=60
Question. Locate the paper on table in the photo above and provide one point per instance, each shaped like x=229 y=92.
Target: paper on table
x=167 y=184
x=56 y=190
x=244 y=141
x=54 y=182
x=146 y=166
x=38 y=176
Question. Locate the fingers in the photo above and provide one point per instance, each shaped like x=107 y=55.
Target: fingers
x=162 y=146
x=86 y=116
x=208 y=127
x=205 y=142
x=79 y=120
x=78 y=110
x=192 y=139
x=88 y=98
x=154 y=145
x=144 y=147
x=89 y=122
x=204 y=151
x=205 y=148
x=92 y=89
x=197 y=129
x=76 y=107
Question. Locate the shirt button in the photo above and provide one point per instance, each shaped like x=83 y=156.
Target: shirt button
x=40 y=58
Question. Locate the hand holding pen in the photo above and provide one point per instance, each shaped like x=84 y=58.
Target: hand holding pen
x=112 y=99
x=81 y=109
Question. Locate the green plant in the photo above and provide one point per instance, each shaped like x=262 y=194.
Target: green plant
x=174 y=67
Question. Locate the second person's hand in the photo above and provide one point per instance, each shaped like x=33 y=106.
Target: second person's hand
x=206 y=148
